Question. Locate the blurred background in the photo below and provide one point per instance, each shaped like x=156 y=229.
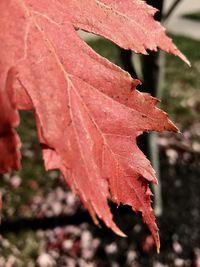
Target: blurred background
x=44 y=223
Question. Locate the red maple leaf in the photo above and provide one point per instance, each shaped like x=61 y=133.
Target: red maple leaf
x=9 y=141
x=88 y=111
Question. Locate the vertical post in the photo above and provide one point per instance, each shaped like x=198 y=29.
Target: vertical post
x=151 y=72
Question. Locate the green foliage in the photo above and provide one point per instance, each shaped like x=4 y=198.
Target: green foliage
x=193 y=16
x=181 y=92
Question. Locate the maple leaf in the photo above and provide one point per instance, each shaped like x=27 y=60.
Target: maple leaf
x=9 y=141
x=88 y=112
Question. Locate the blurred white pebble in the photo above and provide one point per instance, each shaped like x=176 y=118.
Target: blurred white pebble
x=15 y=181
x=45 y=260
